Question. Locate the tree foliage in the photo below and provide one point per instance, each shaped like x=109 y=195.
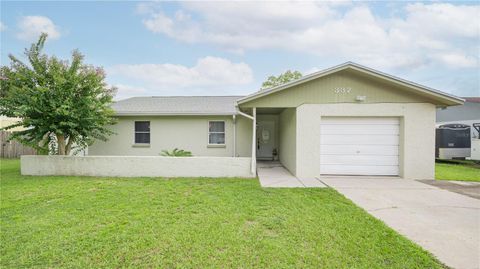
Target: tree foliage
x=65 y=101
x=273 y=81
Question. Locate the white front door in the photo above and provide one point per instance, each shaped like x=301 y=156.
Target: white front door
x=359 y=146
x=265 y=139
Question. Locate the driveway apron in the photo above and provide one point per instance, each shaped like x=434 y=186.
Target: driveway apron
x=443 y=222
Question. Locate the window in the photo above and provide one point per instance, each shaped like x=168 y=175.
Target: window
x=216 y=133
x=142 y=132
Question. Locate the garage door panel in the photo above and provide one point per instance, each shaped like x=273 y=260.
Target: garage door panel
x=380 y=170
x=358 y=160
x=358 y=121
x=359 y=150
x=359 y=146
x=361 y=129
x=354 y=139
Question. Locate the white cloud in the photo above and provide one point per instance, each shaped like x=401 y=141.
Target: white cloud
x=236 y=26
x=30 y=28
x=457 y=59
x=125 y=91
x=440 y=20
x=411 y=39
x=209 y=72
x=2 y=26
x=311 y=70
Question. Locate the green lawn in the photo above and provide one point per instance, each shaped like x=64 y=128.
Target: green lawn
x=75 y=222
x=457 y=171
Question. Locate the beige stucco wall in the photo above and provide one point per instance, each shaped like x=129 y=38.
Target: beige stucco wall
x=169 y=132
x=287 y=139
x=138 y=166
x=417 y=139
x=244 y=136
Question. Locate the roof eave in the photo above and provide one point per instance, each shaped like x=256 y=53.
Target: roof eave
x=136 y=113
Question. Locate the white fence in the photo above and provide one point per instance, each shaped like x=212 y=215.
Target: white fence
x=135 y=166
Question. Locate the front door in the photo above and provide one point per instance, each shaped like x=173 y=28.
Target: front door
x=265 y=140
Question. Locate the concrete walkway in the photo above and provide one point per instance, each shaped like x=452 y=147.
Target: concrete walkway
x=274 y=175
x=443 y=222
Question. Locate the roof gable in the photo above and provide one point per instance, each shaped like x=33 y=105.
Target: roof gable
x=403 y=88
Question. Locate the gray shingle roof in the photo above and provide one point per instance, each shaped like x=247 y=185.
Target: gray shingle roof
x=177 y=105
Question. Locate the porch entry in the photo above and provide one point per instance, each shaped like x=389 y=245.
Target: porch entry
x=265 y=140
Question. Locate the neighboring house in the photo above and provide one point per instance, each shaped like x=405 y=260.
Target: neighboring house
x=6 y=121
x=468 y=114
x=346 y=120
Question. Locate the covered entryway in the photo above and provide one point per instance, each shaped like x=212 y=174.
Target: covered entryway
x=359 y=146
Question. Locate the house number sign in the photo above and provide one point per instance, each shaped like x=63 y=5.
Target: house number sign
x=342 y=90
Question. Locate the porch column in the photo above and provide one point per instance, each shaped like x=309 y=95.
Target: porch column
x=254 y=141
x=234 y=121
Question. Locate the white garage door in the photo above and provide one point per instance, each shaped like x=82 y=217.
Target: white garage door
x=359 y=146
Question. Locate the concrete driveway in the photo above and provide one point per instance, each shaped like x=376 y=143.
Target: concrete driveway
x=445 y=223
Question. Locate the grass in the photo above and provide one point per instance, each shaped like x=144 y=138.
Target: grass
x=82 y=222
x=457 y=170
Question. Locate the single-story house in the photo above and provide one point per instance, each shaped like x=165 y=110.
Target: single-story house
x=469 y=114
x=345 y=120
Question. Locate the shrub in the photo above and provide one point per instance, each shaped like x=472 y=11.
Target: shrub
x=176 y=153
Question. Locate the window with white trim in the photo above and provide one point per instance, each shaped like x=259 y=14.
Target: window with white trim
x=216 y=133
x=142 y=132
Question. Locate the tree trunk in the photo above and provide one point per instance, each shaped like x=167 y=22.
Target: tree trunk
x=61 y=144
x=69 y=145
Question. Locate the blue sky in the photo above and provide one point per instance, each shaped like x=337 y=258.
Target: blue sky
x=223 y=48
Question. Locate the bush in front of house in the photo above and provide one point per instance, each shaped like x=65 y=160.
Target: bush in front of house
x=176 y=153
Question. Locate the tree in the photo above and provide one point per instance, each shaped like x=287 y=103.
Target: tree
x=64 y=101
x=273 y=81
